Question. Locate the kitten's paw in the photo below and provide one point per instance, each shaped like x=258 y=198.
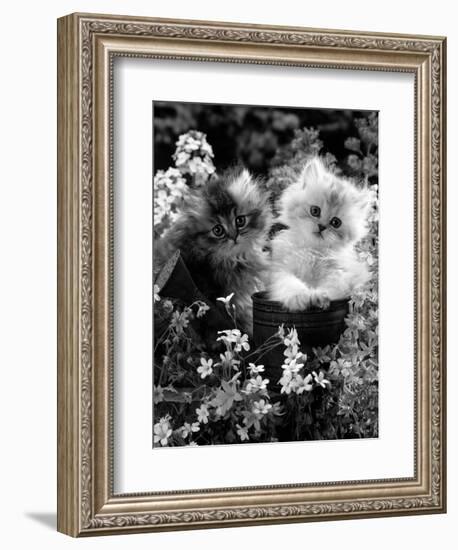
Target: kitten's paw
x=289 y=291
x=297 y=302
x=319 y=299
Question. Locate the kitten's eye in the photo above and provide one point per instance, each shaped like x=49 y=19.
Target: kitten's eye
x=240 y=221
x=315 y=211
x=336 y=222
x=218 y=231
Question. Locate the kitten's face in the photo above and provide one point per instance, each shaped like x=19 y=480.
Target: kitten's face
x=328 y=211
x=229 y=217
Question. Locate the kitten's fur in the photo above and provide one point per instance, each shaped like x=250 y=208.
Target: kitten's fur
x=312 y=261
x=231 y=262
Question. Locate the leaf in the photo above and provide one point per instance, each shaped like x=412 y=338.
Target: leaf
x=225 y=397
x=353 y=144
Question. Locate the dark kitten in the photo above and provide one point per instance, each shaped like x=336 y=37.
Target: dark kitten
x=221 y=233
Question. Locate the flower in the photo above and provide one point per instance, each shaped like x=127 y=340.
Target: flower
x=162 y=431
x=342 y=366
x=320 y=379
x=367 y=257
x=202 y=414
x=260 y=408
x=242 y=433
x=157 y=298
x=257 y=384
x=255 y=369
x=230 y=336
x=205 y=368
x=179 y=321
x=188 y=428
x=292 y=353
x=234 y=336
x=292 y=338
x=287 y=382
x=192 y=444
x=292 y=366
x=303 y=384
x=193 y=156
x=169 y=190
x=226 y=396
x=242 y=343
x=203 y=308
x=227 y=300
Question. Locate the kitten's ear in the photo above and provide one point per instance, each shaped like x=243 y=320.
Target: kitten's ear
x=312 y=171
x=245 y=176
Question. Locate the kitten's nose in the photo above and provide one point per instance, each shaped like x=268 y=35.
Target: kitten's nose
x=321 y=227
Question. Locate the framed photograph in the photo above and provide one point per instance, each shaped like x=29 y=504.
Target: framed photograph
x=251 y=289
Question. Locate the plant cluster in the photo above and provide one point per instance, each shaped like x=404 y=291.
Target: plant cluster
x=226 y=394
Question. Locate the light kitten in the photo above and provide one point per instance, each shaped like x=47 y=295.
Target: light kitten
x=314 y=261
x=221 y=234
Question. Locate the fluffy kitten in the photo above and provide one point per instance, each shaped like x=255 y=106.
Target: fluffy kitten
x=221 y=234
x=314 y=260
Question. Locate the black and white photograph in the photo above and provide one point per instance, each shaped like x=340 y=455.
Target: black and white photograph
x=265 y=252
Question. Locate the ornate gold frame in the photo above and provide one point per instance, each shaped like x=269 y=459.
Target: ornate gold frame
x=87 y=45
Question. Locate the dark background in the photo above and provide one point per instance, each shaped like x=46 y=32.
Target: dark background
x=252 y=135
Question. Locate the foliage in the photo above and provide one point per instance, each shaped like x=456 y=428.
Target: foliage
x=247 y=134
x=206 y=397
x=227 y=398
x=193 y=166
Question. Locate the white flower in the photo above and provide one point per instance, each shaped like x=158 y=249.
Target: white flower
x=202 y=414
x=181 y=158
x=292 y=353
x=162 y=431
x=188 y=428
x=287 y=382
x=193 y=155
x=192 y=444
x=169 y=190
x=157 y=298
x=165 y=419
x=203 y=308
x=292 y=338
x=257 y=384
x=242 y=343
x=205 y=368
x=242 y=433
x=260 y=408
x=303 y=384
x=226 y=301
x=255 y=369
x=342 y=366
x=292 y=366
x=320 y=379
x=235 y=337
x=196 y=165
x=230 y=336
x=291 y=381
